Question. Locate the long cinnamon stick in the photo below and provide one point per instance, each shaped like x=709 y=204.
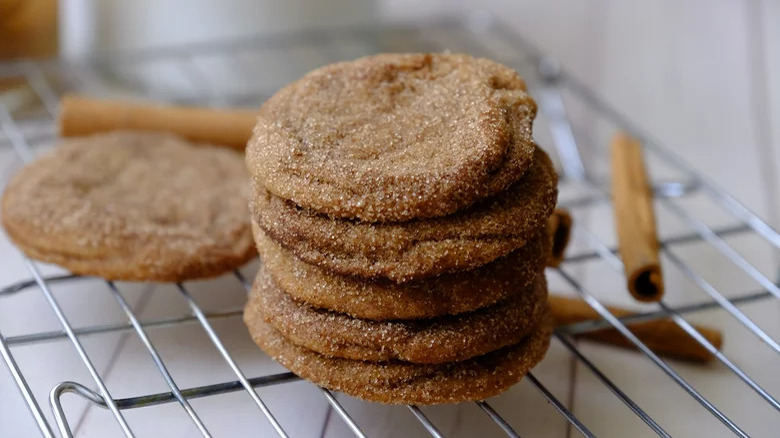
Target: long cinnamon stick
x=81 y=115
x=662 y=336
x=635 y=220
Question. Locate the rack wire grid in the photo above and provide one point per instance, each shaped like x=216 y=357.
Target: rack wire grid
x=96 y=338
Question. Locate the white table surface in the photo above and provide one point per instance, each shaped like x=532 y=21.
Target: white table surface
x=703 y=76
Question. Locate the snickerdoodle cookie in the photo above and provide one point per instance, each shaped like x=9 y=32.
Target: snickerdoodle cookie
x=420 y=248
x=133 y=206
x=403 y=382
x=447 y=294
x=433 y=340
x=394 y=137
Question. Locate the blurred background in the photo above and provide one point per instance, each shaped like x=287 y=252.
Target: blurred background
x=703 y=76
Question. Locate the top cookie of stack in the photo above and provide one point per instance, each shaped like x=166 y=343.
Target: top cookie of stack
x=391 y=138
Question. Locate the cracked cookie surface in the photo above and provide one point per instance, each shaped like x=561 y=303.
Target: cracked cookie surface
x=394 y=137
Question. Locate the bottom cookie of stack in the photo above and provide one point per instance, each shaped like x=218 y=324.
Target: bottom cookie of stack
x=403 y=382
x=398 y=381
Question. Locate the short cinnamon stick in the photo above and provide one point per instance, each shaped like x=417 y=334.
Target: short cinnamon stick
x=662 y=336
x=81 y=115
x=559 y=227
x=635 y=220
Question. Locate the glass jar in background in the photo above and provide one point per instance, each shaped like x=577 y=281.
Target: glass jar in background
x=28 y=28
x=108 y=25
x=89 y=27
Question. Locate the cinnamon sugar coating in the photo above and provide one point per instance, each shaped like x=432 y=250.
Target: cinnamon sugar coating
x=421 y=248
x=401 y=210
x=447 y=294
x=403 y=382
x=425 y=341
x=133 y=206
x=394 y=137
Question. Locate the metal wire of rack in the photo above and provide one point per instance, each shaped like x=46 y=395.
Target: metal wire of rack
x=549 y=85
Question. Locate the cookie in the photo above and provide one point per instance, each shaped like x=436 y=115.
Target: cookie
x=402 y=382
x=434 y=340
x=421 y=248
x=394 y=137
x=133 y=206
x=448 y=294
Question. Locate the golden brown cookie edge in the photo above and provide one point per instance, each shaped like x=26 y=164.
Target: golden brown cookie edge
x=475 y=379
x=429 y=341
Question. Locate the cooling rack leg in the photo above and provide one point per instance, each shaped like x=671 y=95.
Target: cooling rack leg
x=59 y=413
x=79 y=348
x=21 y=383
x=56 y=404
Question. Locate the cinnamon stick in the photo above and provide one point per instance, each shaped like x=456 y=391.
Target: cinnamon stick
x=662 y=336
x=81 y=115
x=635 y=220
x=559 y=226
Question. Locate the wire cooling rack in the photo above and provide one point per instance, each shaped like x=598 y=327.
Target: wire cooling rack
x=699 y=222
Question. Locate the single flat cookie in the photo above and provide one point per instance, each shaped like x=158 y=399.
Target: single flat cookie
x=426 y=341
x=394 y=137
x=133 y=206
x=421 y=248
x=447 y=294
x=402 y=382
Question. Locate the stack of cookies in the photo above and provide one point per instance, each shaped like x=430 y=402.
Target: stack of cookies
x=400 y=209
